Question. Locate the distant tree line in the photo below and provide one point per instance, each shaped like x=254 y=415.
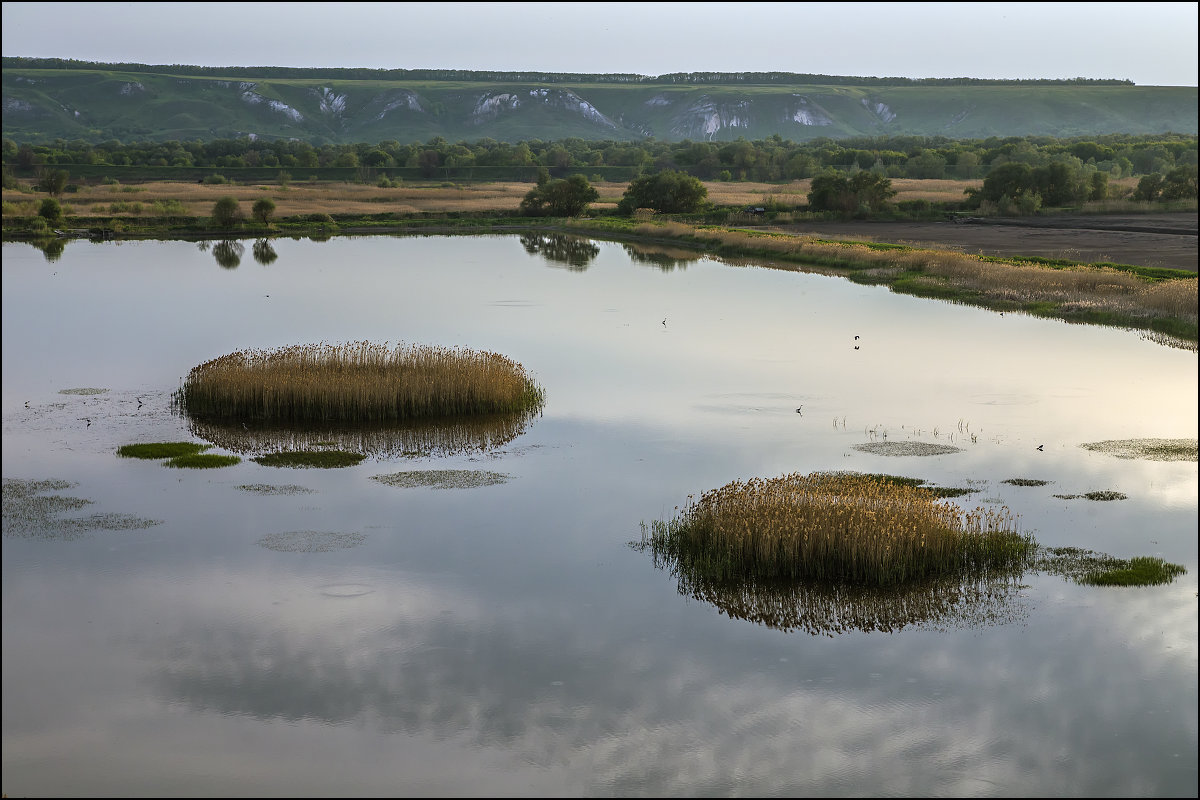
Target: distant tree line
x=365 y=73
x=773 y=159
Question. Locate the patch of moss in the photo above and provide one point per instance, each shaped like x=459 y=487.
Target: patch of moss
x=203 y=461
x=157 y=450
x=323 y=459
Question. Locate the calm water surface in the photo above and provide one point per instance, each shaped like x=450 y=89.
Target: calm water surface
x=505 y=639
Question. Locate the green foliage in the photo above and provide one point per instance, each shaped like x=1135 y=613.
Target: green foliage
x=561 y=198
x=159 y=450
x=263 y=210
x=215 y=180
x=53 y=181
x=202 y=461
x=1180 y=183
x=668 y=192
x=226 y=213
x=50 y=211
x=324 y=459
x=833 y=191
x=1141 y=571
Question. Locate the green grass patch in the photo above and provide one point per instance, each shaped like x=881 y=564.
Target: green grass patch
x=322 y=459
x=203 y=461
x=1141 y=571
x=158 y=450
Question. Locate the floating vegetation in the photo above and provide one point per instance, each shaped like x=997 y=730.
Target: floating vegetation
x=272 y=489
x=160 y=450
x=1025 y=482
x=359 y=382
x=936 y=491
x=839 y=527
x=1104 y=495
x=84 y=390
x=203 y=461
x=443 y=478
x=29 y=512
x=323 y=459
x=417 y=438
x=1096 y=569
x=906 y=448
x=1147 y=449
x=310 y=541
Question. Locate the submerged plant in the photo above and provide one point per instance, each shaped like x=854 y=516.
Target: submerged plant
x=327 y=459
x=359 y=383
x=840 y=527
x=159 y=450
x=1097 y=569
x=203 y=461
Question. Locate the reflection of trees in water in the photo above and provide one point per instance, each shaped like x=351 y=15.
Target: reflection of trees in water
x=665 y=258
x=573 y=252
x=263 y=252
x=228 y=253
x=439 y=437
x=51 y=247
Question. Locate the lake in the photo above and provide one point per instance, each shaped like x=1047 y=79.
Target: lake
x=482 y=624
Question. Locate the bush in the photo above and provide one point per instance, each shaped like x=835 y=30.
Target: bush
x=214 y=180
x=50 y=211
x=562 y=198
x=226 y=212
x=667 y=192
x=264 y=209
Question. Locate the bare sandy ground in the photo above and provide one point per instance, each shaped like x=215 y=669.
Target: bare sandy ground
x=1158 y=240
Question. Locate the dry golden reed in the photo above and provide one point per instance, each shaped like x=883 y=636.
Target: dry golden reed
x=356 y=382
x=840 y=527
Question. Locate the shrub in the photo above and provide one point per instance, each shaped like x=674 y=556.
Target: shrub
x=50 y=211
x=226 y=212
x=264 y=209
x=215 y=180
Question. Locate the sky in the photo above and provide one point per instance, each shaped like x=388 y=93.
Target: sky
x=1151 y=44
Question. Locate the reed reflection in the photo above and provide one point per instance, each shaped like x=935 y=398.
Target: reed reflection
x=829 y=609
x=559 y=249
x=435 y=437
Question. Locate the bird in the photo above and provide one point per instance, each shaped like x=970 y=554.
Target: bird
x=664 y=321
x=139 y=402
x=27 y=404
x=88 y=421
x=856 y=338
x=855 y=347
x=1040 y=447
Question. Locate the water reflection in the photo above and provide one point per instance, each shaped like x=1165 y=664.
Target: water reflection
x=228 y=253
x=51 y=247
x=661 y=256
x=560 y=249
x=439 y=437
x=831 y=609
x=263 y=252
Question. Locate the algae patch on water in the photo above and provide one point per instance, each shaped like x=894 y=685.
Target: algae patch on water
x=1025 y=482
x=84 y=390
x=442 y=478
x=1147 y=449
x=268 y=489
x=202 y=461
x=1097 y=569
x=1104 y=496
x=160 y=450
x=30 y=512
x=321 y=459
x=310 y=541
x=906 y=448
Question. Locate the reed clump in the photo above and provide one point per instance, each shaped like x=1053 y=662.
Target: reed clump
x=841 y=527
x=357 y=382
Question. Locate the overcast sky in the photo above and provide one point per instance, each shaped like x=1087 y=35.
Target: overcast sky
x=1148 y=43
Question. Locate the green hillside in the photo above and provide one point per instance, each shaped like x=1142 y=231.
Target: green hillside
x=97 y=104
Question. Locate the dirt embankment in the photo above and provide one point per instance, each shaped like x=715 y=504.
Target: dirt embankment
x=1151 y=240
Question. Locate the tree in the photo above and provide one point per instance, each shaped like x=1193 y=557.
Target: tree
x=264 y=209
x=830 y=191
x=53 y=181
x=561 y=198
x=50 y=211
x=668 y=192
x=1012 y=180
x=226 y=212
x=1180 y=183
x=871 y=189
x=1149 y=187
